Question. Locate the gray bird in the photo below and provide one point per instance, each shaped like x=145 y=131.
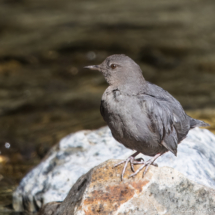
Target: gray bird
x=141 y=115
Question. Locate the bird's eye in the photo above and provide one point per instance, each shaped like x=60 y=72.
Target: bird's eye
x=113 y=66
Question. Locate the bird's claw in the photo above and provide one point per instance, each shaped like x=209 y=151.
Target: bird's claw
x=146 y=169
x=147 y=164
x=132 y=161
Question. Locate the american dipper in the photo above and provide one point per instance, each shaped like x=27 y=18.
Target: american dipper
x=141 y=115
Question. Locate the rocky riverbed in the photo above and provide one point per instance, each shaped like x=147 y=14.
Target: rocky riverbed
x=44 y=92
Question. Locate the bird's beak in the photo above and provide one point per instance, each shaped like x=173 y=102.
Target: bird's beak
x=93 y=67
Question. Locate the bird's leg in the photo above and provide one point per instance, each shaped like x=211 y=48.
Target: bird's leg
x=132 y=161
x=147 y=164
x=136 y=161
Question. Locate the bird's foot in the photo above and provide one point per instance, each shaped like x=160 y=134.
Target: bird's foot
x=132 y=161
x=147 y=164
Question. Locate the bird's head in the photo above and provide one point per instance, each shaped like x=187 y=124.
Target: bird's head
x=119 y=69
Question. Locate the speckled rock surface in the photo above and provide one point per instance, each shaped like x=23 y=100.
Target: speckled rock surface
x=77 y=153
x=163 y=190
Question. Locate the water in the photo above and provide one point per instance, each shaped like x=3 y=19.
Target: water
x=46 y=94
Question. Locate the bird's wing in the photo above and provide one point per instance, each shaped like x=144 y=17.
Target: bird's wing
x=165 y=118
x=160 y=93
x=181 y=119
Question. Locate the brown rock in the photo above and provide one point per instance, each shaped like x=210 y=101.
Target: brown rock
x=162 y=191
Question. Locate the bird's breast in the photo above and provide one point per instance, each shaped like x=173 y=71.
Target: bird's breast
x=127 y=121
x=112 y=112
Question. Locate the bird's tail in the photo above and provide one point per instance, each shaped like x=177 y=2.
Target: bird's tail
x=197 y=123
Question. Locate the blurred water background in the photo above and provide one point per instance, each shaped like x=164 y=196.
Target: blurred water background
x=46 y=94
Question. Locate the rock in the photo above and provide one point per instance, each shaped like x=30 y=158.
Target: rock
x=50 y=208
x=163 y=190
x=77 y=153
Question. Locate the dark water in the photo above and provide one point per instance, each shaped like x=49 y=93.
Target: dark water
x=46 y=94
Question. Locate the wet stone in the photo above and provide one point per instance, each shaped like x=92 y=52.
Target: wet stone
x=77 y=153
x=154 y=194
